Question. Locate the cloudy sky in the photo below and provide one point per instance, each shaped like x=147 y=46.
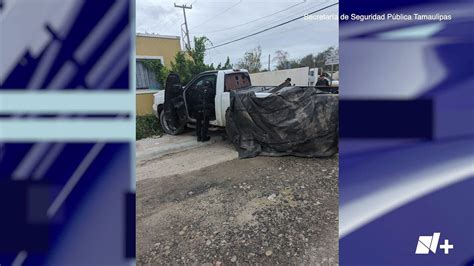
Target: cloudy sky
x=223 y=21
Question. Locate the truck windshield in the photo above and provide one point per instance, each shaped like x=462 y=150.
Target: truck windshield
x=236 y=81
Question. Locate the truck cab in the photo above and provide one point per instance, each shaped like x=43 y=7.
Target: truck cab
x=179 y=110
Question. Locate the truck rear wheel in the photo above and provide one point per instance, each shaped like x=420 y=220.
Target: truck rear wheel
x=167 y=129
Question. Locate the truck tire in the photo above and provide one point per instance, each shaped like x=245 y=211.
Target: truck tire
x=166 y=128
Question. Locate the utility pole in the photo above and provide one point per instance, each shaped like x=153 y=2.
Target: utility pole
x=184 y=7
x=268 y=62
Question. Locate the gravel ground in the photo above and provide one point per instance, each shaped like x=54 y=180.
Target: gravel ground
x=186 y=161
x=264 y=210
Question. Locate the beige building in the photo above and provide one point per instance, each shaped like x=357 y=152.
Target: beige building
x=152 y=47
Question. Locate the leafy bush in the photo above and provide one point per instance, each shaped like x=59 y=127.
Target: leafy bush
x=189 y=63
x=161 y=72
x=148 y=126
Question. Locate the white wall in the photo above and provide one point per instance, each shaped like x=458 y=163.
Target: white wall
x=299 y=77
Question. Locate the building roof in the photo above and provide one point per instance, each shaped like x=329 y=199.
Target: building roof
x=153 y=35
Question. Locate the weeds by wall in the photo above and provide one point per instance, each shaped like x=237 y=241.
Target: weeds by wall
x=148 y=126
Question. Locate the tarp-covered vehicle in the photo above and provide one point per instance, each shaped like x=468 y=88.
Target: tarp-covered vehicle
x=299 y=121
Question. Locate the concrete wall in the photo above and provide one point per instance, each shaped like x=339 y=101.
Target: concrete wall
x=144 y=102
x=299 y=77
x=158 y=46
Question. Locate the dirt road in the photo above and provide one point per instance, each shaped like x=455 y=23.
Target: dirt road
x=263 y=210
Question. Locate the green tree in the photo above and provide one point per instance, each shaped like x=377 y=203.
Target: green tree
x=180 y=66
x=227 y=64
x=281 y=57
x=160 y=71
x=199 y=51
x=310 y=60
x=251 y=60
x=307 y=60
x=197 y=54
x=190 y=63
x=320 y=59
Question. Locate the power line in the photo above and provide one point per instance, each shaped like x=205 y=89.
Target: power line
x=267 y=35
x=246 y=23
x=294 y=14
x=220 y=13
x=276 y=26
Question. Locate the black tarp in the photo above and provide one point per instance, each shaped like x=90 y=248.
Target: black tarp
x=299 y=121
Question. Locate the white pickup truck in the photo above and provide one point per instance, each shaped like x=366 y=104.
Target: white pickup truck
x=223 y=81
x=177 y=111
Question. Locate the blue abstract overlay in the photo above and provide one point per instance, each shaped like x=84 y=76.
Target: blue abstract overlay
x=407 y=146
x=66 y=133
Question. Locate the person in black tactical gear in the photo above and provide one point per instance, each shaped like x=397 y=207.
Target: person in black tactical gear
x=322 y=81
x=203 y=110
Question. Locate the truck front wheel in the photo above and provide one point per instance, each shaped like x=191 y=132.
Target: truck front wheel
x=168 y=129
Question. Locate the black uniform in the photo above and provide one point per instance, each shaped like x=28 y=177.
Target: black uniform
x=322 y=82
x=203 y=113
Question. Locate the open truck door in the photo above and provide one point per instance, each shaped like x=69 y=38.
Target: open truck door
x=173 y=119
